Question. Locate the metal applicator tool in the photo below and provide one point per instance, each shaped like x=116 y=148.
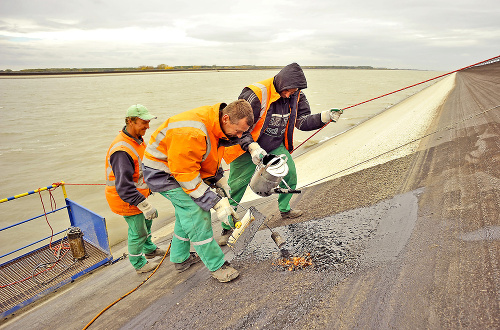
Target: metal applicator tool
x=276 y=237
x=279 y=242
x=242 y=236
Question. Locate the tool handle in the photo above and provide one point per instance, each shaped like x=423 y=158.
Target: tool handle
x=279 y=190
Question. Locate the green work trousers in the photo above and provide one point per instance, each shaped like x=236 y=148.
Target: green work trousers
x=192 y=225
x=242 y=169
x=139 y=239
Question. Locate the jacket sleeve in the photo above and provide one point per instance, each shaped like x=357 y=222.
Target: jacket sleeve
x=245 y=140
x=185 y=154
x=207 y=200
x=123 y=168
x=305 y=120
x=249 y=95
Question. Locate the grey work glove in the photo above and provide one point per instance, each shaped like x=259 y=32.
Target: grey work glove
x=225 y=212
x=148 y=209
x=256 y=152
x=330 y=115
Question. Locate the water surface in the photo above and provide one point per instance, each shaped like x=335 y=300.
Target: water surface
x=58 y=128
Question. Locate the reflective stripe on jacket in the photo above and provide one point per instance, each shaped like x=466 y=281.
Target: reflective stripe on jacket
x=122 y=142
x=186 y=146
x=267 y=94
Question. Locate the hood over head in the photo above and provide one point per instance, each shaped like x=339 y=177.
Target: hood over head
x=291 y=76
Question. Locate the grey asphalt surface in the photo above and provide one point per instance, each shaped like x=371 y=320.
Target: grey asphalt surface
x=411 y=243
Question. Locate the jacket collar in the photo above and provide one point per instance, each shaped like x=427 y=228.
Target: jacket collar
x=138 y=141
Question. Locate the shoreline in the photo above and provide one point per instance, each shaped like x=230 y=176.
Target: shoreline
x=111 y=72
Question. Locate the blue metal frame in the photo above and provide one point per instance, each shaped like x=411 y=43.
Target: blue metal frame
x=95 y=232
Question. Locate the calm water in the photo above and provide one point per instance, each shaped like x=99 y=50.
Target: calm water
x=59 y=128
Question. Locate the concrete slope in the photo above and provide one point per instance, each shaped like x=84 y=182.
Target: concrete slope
x=411 y=242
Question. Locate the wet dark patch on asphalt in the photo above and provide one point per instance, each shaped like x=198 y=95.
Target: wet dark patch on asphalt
x=330 y=243
x=338 y=241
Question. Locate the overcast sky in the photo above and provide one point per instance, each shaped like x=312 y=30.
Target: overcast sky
x=440 y=35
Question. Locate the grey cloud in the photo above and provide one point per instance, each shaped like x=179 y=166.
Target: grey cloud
x=421 y=34
x=225 y=35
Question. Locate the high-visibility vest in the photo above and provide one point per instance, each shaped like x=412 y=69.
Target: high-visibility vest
x=267 y=94
x=186 y=146
x=123 y=142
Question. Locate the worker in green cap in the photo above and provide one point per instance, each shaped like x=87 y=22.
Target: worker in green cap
x=126 y=191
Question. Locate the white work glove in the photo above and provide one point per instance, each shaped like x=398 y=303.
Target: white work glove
x=330 y=115
x=149 y=210
x=222 y=183
x=225 y=211
x=256 y=152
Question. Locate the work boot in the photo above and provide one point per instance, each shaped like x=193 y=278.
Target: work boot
x=224 y=236
x=148 y=267
x=193 y=258
x=157 y=252
x=291 y=214
x=225 y=273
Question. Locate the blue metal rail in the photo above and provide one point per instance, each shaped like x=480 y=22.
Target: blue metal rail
x=8 y=199
x=38 y=216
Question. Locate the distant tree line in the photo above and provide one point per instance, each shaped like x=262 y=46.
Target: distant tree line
x=165 y=67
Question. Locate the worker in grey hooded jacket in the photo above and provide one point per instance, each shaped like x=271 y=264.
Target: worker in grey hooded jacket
x=279 y=106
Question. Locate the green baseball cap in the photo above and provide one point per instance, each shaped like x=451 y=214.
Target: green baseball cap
x=138 y=110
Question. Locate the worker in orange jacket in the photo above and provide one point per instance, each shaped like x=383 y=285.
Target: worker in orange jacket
x=182 y=162
x=126 y=191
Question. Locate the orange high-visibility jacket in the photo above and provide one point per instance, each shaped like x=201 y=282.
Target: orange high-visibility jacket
x=267 y=94
x=125 y=143
x=186 y=147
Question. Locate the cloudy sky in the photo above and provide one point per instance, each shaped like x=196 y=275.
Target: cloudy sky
x=425 y=34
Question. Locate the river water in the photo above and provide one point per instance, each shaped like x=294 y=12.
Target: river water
x=58 y=128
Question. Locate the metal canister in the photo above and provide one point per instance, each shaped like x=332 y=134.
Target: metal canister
x=268 y=175
x=75 y=239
